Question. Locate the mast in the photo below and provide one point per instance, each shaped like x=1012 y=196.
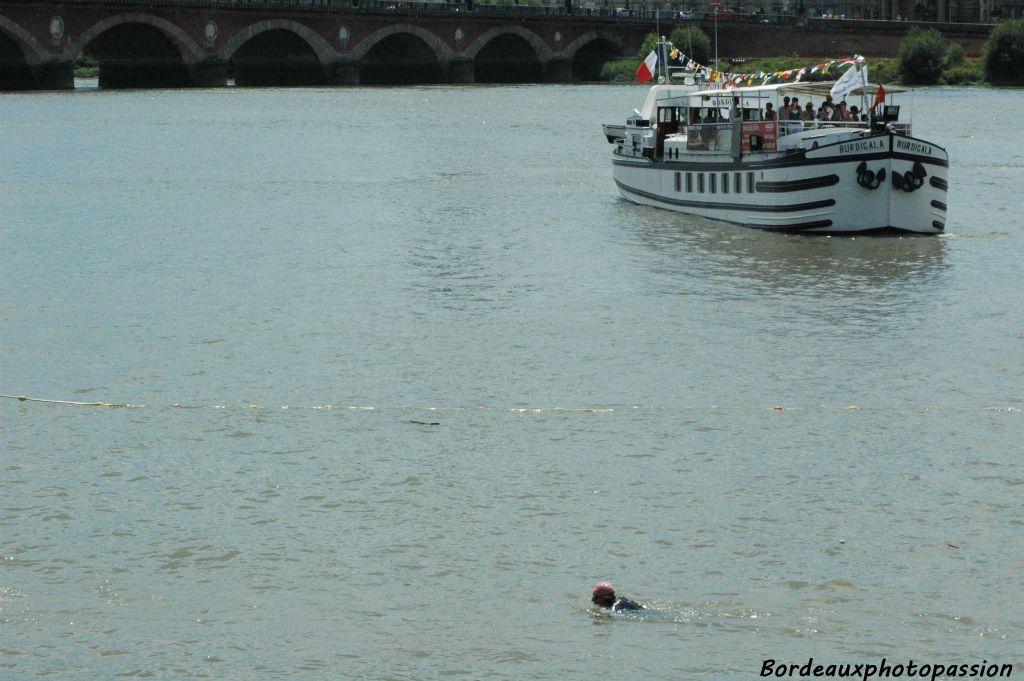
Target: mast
x=716 y=39
x=661 y=45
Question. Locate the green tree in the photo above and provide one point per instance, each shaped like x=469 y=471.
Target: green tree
x=921 y=56
x=692 y=42
x=1004 y=52
x=649 y=43
x=955 y=55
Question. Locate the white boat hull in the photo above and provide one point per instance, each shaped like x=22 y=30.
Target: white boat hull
x=885 y=181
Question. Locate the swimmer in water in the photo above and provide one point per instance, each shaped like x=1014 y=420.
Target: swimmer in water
x=604 y=596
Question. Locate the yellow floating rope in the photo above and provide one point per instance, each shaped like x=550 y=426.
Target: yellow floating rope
x=123 y=405
x=512 y=410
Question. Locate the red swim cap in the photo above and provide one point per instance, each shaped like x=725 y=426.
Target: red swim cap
x=604 y=589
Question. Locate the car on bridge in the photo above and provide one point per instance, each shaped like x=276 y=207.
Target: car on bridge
x=722 y=12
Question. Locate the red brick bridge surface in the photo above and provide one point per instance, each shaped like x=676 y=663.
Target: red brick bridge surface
x=140 y=43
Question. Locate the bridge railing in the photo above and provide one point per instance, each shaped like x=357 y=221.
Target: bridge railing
x=394 y=7
x=477 y=9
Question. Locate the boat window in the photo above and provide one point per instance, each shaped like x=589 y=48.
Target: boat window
x=725 y=183
x=737 y=182
x=679 y=183
x=713 y=178
x=700 y=182
x=750 y=183
x=689 y=183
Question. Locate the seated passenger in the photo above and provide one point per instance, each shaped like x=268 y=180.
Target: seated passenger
x=808 y=113
x=830 y=107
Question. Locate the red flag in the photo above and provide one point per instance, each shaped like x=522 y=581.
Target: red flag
x=879 y=97
x=646 y=70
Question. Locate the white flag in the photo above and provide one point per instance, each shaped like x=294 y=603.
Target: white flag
x=847 y=82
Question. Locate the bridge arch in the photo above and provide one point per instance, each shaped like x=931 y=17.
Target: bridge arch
x=590 y=36
x=323 y=50
x=138 y=50
x=589 y=53
x=509 y=54
x=277 y=52
x=31 y=49
x=188 y=49
x=442 y=52
x=402 y=54
x=19 y=54
x=540 y=48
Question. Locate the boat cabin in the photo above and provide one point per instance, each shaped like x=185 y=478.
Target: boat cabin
x=737 y=121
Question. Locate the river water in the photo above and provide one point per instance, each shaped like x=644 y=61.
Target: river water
x=407 y=378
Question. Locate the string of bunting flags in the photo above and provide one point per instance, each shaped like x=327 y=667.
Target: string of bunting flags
x=726 y=79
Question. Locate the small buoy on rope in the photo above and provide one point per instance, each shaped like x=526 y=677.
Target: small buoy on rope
x=24 y=398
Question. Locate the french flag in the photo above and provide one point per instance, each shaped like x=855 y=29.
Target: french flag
x=646 y=70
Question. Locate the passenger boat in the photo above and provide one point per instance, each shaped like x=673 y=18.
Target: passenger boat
x=715 y=153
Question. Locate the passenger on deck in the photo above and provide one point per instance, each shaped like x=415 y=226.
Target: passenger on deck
x=793 y=116
x=604 y=596
x=769 y=112
x=794 y=109
x=841 y=113
x=824 y=113
x=808 y=113
x=855 y=113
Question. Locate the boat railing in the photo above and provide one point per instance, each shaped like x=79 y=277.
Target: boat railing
x=791 y=127
x=762 y=135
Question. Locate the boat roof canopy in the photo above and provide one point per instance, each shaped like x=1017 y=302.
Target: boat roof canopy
x=776 y=90
x=664 y=94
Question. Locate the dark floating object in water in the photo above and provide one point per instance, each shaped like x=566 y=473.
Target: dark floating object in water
x=425 y=423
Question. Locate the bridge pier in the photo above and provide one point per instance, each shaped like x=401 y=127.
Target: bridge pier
x=461 y=71
x=342 y=72
x=212 y=73
x=54 y=75
x=558 y=70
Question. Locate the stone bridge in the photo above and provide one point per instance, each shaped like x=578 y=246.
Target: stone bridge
x=207 y=43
